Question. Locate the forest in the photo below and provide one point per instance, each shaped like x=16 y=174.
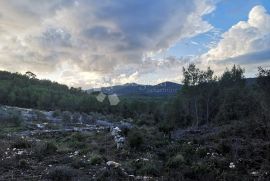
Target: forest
x=204 y=98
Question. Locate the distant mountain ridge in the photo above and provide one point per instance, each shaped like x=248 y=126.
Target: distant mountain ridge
x=133 y=89
x=162 y=89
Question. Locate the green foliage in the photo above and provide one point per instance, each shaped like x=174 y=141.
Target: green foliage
x=149 y=168
x=78 y=163
x=263 y=83
x=62 y=173
x=135 y=138
x=23 y=163
x=146 y=167
x=56 y=113
x=21 y=143
x=197 y=96
x=96 y=159
x=233 y=77
x=27 y=91
x=44 y=148
x=176 y=161
x=206 y=99
x=78 y=137
x=237 y=104
x=10 y=119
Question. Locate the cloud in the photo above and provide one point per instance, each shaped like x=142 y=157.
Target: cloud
x=258 y=57
x=90 y=38
x=247 y=39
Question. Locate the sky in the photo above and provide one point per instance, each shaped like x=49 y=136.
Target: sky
x=94 y=43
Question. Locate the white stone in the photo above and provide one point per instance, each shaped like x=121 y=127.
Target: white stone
x=113 y=164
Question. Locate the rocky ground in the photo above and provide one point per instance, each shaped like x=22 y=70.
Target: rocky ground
x=47 y=145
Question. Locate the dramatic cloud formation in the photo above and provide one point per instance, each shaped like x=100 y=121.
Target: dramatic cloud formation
x=81 y=42
x=246 y=43
x=91 y=43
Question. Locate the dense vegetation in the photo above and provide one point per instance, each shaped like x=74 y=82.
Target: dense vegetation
x=204 y=99
x=27 y=91
x=207 y=99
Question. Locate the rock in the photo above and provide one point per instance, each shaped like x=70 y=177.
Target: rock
x=40 y=126
x=232 y=165
x=113 y=164
x=115 y=131
x=20 y=152
x=255 y=173
x=104 y=123
x=119 y=140
x=125 y=125
x=142 y=159
x=143 y=178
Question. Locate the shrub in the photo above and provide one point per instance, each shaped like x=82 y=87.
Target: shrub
x=187 y=150
x=96 y=159
x=202 y=152
x=199 y=171
x=78 y=137
x=135 y=138
x=66 y=117
x=62 y=173
x=51 y=148
x=224 y=147
x=56 y=113
x=176 y=161
x=11 y=118
x=21 y=143
x=114 y=174
x=77 y=163
x=45 y=148
x=146 y=167
x=76 y=117
x=23 y=163
x=77 y=144
x=149 y=168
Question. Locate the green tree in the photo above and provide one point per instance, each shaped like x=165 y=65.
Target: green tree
x=192 y=77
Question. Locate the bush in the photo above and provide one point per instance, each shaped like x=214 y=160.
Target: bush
x=45 y=148
x=78 y=137
x=77 y=163
x=96 y=159
x=202 y=152
x=21 y=143
x=114 y=174
x=56 y=113
x=76 y=117
x=149 y=168
x=62 y=173
x=199 y=171
x=11 y=118
x=135 y=138
x=146 y=167
x=187 y=150
x=176 y=161
x=66 y=117
x=224 y=147
x=23 y=163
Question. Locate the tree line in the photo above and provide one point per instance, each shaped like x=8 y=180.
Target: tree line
x=204 y=99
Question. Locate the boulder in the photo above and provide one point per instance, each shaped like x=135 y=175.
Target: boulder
x=113 y=164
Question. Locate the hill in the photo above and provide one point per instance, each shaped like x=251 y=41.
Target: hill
x=133 y=89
